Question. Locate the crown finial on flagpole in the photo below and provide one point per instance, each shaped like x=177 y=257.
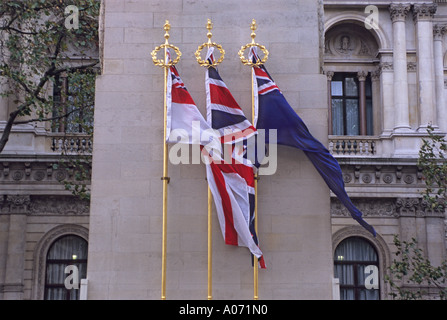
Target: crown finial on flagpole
x=166 y=28
x=259 y=61
x=206 y=63
x=253 y=28
x=209 y=27
x=163 y=62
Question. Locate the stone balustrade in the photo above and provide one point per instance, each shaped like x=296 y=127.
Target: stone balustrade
x=362 y=146
x=71 y=143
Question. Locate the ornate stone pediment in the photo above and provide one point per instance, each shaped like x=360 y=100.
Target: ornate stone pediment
x=350 y=41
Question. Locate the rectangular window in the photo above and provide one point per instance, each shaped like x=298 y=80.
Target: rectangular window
x=73 y=96
x=346 y=104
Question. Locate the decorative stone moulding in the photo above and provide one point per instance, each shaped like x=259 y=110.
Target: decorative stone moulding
x=399 y=175
x=43 y=205
x=24 y=172
x=387 y=208
x=424 y=10
x=399 y=11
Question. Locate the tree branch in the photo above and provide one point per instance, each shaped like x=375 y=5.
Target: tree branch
x=7 y=130
x=47 y=119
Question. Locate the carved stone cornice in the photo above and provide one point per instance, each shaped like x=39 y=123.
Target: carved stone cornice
x=399 y=11
x=382 y=175
x=424 y=11
x=43 y=205
x=387 y=208
x=14 y=203
x=35 y=172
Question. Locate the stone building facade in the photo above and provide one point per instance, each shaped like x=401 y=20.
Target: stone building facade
x=367 y=81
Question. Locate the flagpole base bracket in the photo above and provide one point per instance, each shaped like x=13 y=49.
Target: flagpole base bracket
x=166 y=178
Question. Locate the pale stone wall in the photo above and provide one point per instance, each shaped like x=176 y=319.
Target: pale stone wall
x=126 y=208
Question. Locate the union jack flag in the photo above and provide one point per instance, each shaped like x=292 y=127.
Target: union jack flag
x=232 y=184
x=223 y=112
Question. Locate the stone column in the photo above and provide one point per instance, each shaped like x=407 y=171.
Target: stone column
x=434 y=224
x=377 y=105
x=3 y=101
x=15 y=262
x=386 y=69
x=361 y=76
x=441 y=108
x=422 y=15
x=329 y=75
x=398 y=14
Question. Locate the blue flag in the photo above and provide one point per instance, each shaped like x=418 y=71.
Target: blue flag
x=274 y=112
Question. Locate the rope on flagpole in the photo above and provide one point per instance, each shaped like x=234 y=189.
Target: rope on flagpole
x=257 y=63
x=207 y=64
x=166 y=63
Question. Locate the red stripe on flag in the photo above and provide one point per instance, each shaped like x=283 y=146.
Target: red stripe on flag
x=230 y=231
x=238 y=134
x=181 y=96
x=221 y=95
x=268 y=89
x=261 y=73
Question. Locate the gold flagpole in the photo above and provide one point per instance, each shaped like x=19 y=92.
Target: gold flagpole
x=165 y=64
x=258 y=62
x=204 y=63
x=210 y=246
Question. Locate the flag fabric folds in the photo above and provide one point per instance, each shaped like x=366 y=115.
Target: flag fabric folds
x=232 y=184
x=183 y=117
x=272 y=111
x=223 y=112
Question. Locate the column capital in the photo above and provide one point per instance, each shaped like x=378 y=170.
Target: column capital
x=329 y=75
x=375 y=75
x=399 y=11
x=361 y=75
x=424 y=11
x=439 y=30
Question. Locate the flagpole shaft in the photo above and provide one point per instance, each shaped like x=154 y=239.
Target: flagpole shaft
x=165 y=190
x=255 y=264
x=210 y=245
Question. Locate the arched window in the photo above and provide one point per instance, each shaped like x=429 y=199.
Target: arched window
x=66 y=265
x=351 y=65
x=356 y=265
